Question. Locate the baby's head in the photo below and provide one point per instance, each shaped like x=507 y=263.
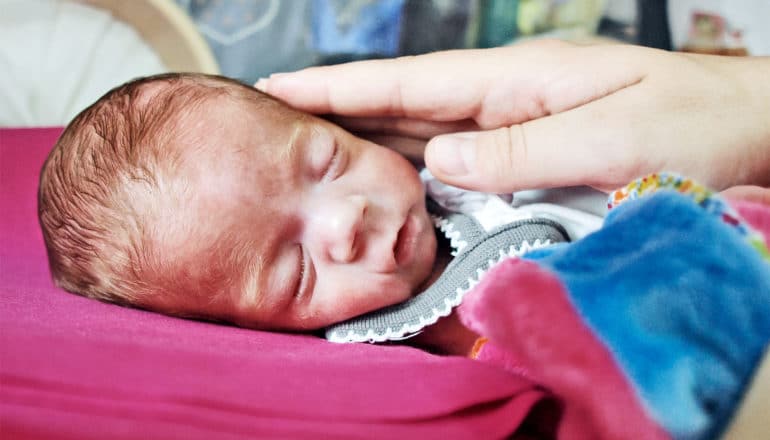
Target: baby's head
x=199 y=196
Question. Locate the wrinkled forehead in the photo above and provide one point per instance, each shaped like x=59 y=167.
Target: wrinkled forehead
x=228 y=125
x=237 y=151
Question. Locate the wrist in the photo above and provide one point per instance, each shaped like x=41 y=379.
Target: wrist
x=719 y=106
x=750 y=76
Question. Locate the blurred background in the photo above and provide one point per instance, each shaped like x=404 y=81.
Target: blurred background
x=58 y=56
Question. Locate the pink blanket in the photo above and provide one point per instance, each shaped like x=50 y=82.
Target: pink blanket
x=74 y=368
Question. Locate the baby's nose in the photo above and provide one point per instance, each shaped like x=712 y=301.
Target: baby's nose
x=341 y=226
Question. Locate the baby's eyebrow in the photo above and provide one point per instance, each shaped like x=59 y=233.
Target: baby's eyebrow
x=251 y=291
x=290 y=151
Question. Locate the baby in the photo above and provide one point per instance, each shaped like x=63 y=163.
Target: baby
x=201 y=197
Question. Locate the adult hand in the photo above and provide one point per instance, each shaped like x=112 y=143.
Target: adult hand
x=756 y=194
x=550 y=113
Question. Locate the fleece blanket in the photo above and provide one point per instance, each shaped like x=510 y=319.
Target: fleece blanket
x=650 y=327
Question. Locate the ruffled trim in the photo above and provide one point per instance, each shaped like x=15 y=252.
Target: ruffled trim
x=707 y=199
x=441 y=310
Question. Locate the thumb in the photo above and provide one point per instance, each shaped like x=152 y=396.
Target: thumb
x=535 y=154
x=492 y=161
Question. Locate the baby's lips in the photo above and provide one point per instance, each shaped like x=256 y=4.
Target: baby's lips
x=379 y=254
x=387 y=261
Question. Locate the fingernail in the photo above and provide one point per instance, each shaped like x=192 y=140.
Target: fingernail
x=282 y=81
x=453 y=154
x=261 y=85
x=279 y=76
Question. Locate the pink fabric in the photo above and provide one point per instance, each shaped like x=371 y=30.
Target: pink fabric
x=755 y=214
x=74 y=368
x=533 y=328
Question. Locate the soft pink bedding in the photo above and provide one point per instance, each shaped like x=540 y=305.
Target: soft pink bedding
x=78 y=369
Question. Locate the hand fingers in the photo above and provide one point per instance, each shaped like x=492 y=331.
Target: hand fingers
x=548 y=152
x=414 y=128
x=494 y=87
x=391 y=87
x=750 y=193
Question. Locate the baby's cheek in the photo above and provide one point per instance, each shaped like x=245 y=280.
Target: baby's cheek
x=357 y=298
x=392 y=289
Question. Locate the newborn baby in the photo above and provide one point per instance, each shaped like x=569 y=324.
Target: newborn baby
x=198 y=196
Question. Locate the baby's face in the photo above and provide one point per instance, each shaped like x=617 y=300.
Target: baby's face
x=327 y=225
